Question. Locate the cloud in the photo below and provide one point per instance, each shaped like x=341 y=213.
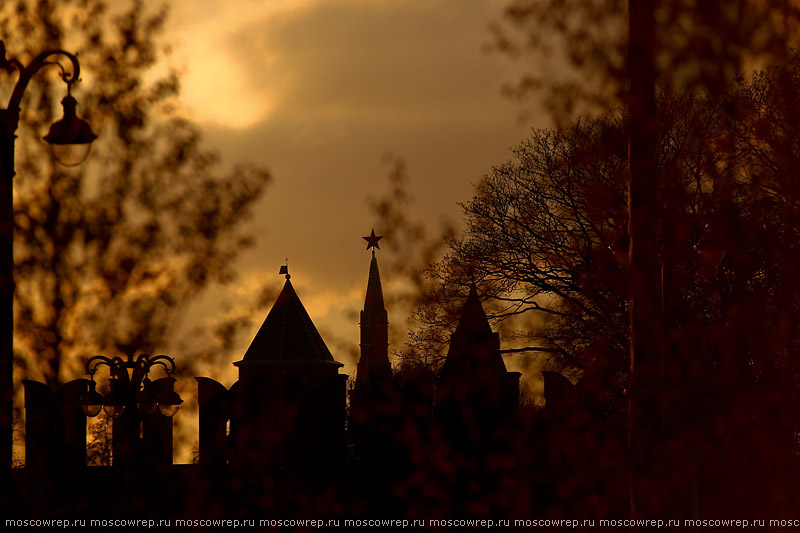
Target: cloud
x=216 y=86
x=394 y=61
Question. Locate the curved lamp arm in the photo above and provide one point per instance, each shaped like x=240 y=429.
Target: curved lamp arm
x=164 y=360
x=97 y=360
x=39 y=62
x=143 y=364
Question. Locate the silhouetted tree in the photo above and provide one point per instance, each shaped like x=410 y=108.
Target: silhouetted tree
x=537 y=236
x=110 y=253
x=539 y=240
x=541 y=227
x=604 y=55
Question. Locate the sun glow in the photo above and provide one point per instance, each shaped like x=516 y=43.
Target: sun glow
x=232 y=76
x=222 y=77
x=216 y=88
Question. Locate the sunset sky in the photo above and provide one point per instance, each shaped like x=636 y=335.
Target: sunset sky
x=319 y=91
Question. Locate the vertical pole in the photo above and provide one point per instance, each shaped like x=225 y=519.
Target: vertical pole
x=8 y=126
x=644 y=230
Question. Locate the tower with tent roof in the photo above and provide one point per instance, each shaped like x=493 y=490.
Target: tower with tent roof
x=475 y=393
x=288 y=408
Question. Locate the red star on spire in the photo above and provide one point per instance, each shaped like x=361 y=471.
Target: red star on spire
x=372 y=240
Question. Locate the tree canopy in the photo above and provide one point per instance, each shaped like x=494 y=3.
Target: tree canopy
x=109 y=254
x=578 y=48
x=541 y=229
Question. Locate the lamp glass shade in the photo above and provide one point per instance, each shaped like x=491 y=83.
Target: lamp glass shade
x=91 y=401
x=91 y=410
x=70 y=155
x=113 y=403
x=70 y=138
x=114 y=411
x=169 y=401
x=169 y=410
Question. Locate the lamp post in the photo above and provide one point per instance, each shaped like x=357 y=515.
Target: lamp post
x=70 y=139
x=131 y=397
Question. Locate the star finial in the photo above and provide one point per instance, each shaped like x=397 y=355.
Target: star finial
x=372 y=241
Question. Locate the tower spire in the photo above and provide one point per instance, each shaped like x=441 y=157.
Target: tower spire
x=374 y=360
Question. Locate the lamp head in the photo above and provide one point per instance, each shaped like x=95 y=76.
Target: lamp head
x=71 y=137
x=169 y=401
x=114 y=402
x=146 y=398
x=90 y=401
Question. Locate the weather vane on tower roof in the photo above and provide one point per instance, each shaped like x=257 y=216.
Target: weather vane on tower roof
x=285 y=269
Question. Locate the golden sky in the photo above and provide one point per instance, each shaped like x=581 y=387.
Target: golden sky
x=318 y=91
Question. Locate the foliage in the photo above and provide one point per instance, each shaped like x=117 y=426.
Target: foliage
x=577 y=48
x=109 y=254
x=99 y=447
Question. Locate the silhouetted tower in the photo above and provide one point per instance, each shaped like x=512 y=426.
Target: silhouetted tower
x=374 y=360
x=288 y=408
x=475 y=394
x=375 y=401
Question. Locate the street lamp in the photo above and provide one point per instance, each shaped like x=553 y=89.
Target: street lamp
x=130 y=385
x=140 y=433
x=70 y=139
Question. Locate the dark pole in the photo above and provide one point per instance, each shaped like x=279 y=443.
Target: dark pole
x=8 y=127
x=9 y=119
x=646 y=321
